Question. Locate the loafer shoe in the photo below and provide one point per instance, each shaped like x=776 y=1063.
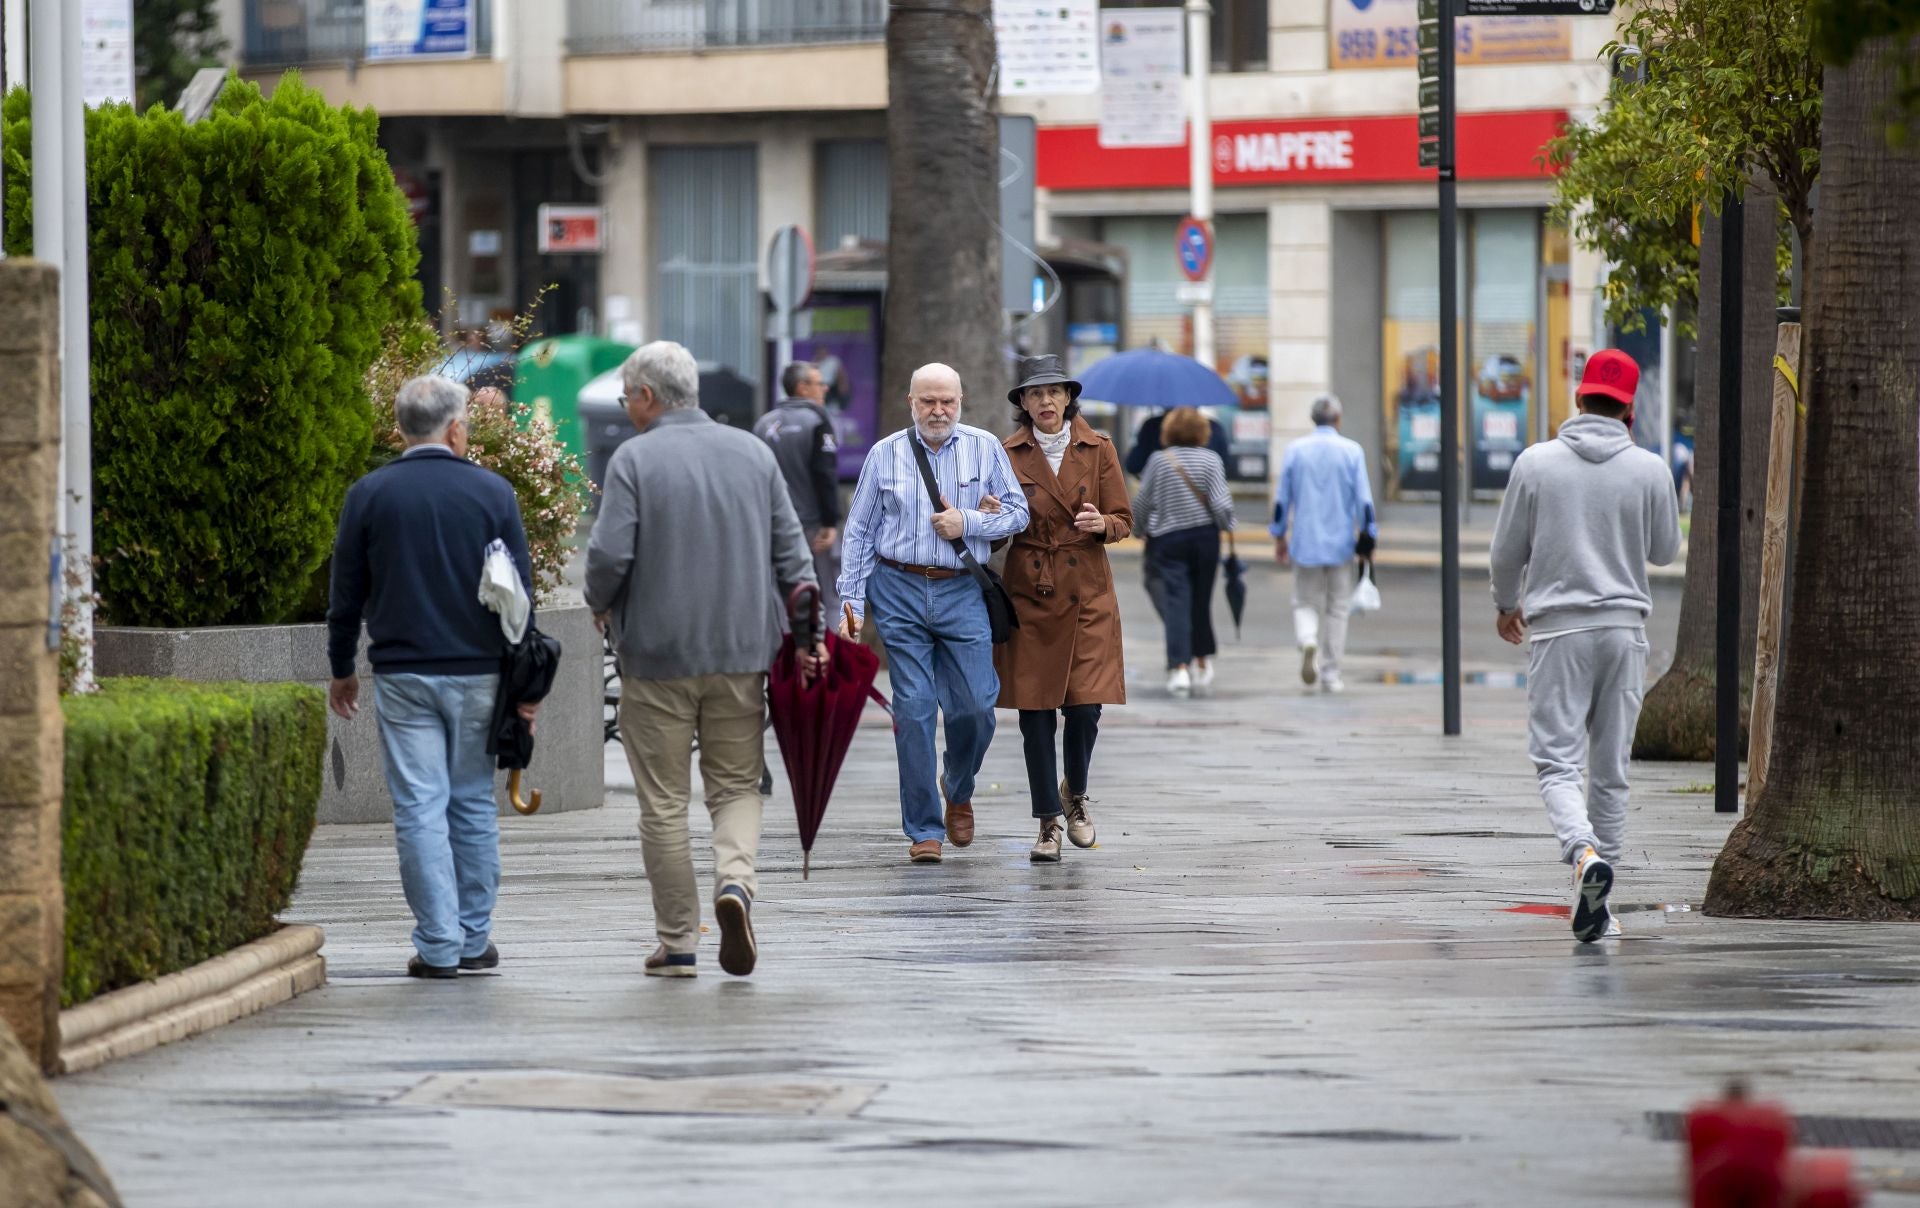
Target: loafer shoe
x=490 y=959
x=671 y=964
x=417 y=966
x=733 y=911
x=960 y=823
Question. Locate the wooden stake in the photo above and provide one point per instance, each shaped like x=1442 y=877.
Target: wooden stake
x=1781 y=458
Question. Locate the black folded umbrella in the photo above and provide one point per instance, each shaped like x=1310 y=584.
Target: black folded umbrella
x=526 y=676
x=1236 y=583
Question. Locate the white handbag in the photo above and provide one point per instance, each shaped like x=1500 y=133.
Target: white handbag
x=1366 y=593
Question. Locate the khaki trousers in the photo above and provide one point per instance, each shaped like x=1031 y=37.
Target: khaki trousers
x=659 y=720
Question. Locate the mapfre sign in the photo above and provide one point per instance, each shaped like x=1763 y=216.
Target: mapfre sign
x=572 y=229
x=1360 y=150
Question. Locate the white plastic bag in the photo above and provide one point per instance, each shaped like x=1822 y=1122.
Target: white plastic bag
x=502 y=592
x=1366 y=593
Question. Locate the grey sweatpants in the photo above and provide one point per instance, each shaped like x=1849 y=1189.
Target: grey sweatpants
x=1583 y=702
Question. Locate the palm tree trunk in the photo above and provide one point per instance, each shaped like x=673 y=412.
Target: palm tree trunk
x=1835 y=831
x=943 y=253
x=1678 y=720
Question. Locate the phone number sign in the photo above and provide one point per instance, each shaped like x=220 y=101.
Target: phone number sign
x=1386 y=33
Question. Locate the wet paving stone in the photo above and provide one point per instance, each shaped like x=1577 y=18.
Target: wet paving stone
x=1305 y=966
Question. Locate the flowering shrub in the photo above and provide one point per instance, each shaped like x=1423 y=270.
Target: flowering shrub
x=505 y=437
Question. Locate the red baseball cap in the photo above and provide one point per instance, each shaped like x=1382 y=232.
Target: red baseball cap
x=1611 y=374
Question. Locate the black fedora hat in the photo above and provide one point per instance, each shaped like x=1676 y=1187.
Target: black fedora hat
x=1043 y=370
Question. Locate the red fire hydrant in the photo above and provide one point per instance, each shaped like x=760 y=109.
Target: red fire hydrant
x=1741 y=1156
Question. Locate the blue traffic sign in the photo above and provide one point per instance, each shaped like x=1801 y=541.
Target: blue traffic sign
x=1195 y=246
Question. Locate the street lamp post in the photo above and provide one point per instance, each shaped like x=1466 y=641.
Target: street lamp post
x=60 y=239
x=1200 y=160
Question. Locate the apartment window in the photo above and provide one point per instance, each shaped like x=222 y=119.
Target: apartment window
x=1239 y=31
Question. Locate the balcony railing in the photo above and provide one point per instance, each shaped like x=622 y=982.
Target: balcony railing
x=631 y=26
x=300 y=33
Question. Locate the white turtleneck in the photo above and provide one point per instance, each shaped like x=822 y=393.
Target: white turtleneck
x=1055 y=446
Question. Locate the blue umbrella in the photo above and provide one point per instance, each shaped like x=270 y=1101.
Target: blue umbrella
x=1148 y=377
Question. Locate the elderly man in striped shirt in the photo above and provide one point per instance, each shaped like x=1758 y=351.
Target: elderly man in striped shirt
x=899 y=567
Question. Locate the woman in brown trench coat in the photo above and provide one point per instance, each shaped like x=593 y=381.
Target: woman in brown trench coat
x=1065 y=658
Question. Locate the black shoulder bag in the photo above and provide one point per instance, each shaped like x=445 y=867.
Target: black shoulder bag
x=1000 y=614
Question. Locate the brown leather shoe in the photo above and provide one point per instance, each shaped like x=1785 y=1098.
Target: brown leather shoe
x=960 y=823
x=927 y=851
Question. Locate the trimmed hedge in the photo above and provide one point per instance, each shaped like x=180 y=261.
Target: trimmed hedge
x=188 y=810
x=243 y=271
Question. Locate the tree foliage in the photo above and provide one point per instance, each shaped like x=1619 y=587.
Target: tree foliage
x=1731 y=87
x=242 y=272
x=172 y=39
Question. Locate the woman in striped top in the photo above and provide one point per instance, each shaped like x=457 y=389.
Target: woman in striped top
x=1182 y=505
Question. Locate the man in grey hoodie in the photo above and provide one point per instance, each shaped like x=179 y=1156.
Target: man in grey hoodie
x=1582 y=518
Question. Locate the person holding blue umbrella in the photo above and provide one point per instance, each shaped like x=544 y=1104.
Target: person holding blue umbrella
x=1156 y=378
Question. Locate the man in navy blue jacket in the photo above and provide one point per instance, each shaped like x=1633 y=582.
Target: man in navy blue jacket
x=413 y=538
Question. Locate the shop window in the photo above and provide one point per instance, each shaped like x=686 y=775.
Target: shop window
x=1501 y=292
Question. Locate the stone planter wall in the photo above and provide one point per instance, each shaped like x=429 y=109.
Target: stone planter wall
x=568 y=761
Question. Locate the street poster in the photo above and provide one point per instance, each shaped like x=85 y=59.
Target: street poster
x=840 y=334
x=1142 y=78
x=414 y=29
x=1048 y=48
x=106 y=52
x=1386 y=33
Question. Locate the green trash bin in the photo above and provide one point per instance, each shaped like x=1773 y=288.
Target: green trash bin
x=551 y=373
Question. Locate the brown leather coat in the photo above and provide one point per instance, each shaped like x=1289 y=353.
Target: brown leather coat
x=1067 y=649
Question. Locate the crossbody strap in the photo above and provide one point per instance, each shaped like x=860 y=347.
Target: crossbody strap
x=933 y=495
x=1197 y=494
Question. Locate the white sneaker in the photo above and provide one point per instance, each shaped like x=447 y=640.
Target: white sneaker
x=1308 y=672
x=1592 y=882
x=1179 y=683
x=1332 y=685
x=1613 y=926
x=1203 y=678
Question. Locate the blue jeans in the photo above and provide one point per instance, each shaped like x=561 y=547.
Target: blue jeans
x=940 y=659
x=434 y=731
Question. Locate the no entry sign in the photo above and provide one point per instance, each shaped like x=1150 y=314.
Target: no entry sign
x=1194 y=244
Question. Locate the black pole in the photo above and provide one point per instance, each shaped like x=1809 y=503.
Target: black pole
x=1726 y=729
x=1449 y=387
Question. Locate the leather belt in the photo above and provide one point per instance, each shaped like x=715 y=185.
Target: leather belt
x=934 y=573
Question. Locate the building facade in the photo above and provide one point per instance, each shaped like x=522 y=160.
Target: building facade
x=697 y=128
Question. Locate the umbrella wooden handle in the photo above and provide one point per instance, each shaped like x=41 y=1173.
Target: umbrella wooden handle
x=529 y=806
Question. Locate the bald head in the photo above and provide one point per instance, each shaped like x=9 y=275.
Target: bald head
x=935 y=397
x=935 y=374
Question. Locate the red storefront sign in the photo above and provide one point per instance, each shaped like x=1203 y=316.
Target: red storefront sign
x=1356 y=150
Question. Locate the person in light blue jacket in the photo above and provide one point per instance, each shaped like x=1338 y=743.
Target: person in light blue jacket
x=1322 y=520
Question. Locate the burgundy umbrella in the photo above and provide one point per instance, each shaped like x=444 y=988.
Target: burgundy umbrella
x=814 y=717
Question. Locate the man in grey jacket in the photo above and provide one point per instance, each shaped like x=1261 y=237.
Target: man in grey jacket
x=1582 y=518
x=695 y=530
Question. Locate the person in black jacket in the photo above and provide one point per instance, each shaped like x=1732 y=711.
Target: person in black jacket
x=801 y=434
x=407 y=559
x=1146 y=442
